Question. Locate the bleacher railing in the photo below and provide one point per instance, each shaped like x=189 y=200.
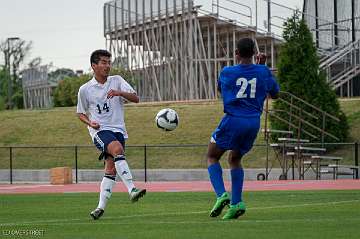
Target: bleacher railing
x=296 y=117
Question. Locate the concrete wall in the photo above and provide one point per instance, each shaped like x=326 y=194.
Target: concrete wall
x=43 y=175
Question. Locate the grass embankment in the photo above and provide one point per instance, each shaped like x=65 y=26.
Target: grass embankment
x=60 y=126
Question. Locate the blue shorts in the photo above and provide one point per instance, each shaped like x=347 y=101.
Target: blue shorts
x=236 y=133
x=104 y=137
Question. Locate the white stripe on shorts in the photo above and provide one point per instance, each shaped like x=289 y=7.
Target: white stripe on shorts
x=99 y=141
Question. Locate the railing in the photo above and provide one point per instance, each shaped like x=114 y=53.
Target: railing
x=339 y=54
x=139 y=155
x=221 y=6
x=69 y=155
x=342 y=66
x=297 y=116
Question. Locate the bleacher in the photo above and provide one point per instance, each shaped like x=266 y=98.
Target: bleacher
x=302 y=154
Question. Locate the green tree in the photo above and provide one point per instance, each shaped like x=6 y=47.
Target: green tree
x=299 y=74
x=65 y=93
x=16 y=51
x=3 y=88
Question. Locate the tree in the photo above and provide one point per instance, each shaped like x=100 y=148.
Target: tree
x=66 y=92
x=16 y=51
x=299 y=74
x=3 y=87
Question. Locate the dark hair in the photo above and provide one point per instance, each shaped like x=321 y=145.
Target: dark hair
x=246 y=46
x=95 y=56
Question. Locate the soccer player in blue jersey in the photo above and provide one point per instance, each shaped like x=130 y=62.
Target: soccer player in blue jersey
x=243 y=88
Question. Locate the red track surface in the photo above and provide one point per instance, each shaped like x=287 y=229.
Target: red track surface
x=193 y=186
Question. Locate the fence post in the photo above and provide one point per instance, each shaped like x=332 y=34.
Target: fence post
x=76 y=163
x=357 y=159
x=323 y=130
x=11 y=167
x=145 y=168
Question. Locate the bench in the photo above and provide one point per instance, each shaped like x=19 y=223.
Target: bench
x=352 y=170
x=305 y=157
x=293 y=140
x=316 y=163
x=276 y=131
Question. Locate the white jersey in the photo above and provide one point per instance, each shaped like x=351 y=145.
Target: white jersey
x=108 y=113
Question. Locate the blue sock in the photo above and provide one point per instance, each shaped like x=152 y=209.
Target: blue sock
x=217 y=181
x=237 y=182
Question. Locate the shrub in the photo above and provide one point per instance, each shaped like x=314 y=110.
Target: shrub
x=299 y=74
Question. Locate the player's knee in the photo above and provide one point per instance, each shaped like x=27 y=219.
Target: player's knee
x=115 y=149
x=234 y=161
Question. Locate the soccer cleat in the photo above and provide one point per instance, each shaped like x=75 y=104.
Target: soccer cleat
x=97 y=213
x=235 y=211
x=137 y=193
x=220 y=203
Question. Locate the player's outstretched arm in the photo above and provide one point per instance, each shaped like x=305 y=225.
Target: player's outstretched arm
x=132 y=97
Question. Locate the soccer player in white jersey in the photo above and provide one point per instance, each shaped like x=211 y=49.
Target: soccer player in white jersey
x=101 y=106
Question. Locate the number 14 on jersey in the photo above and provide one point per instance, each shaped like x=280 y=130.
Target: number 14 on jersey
x=104 y=108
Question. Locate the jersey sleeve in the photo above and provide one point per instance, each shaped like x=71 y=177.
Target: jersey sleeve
x=272 y=86
x=221 y=79
x=126 y=87
x=82 y=104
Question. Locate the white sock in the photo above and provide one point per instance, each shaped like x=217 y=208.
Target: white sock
x=105 y=191
x=123 y=171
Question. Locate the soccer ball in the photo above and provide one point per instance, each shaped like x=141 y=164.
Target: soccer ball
x=167 y=119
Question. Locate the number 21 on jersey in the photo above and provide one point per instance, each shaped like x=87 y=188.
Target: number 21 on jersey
x=244 y=83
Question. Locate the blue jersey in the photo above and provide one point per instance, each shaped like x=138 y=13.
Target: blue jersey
x=244 y=88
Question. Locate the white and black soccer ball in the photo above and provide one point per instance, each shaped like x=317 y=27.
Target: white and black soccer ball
x=167 y=119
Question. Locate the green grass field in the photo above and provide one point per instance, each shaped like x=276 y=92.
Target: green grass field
x=275 y=214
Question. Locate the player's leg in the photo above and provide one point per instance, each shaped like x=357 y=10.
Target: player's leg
x=215 y=174
x=246 y=131
x=214 y=168
x=100 y=140
x=237 y=176
x=106 y=187
x=237 y=207
x=116 y=149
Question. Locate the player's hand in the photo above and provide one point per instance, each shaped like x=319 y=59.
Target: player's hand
x=94 y=125
x=113 y=93
x=260 y=59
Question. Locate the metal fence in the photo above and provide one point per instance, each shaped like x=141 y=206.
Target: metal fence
x=145 y=157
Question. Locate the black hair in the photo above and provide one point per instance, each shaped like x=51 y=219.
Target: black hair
x=245 y=47
x=95 y=56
